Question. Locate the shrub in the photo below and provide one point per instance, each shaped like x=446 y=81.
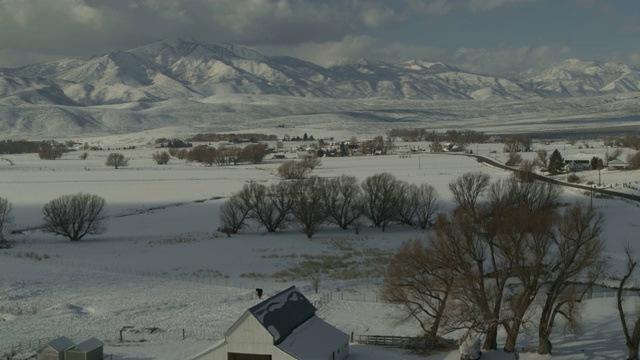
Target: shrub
x=161 y=158
x=293 y=170
x=513 y=159
x=573 y=178
x=50 y=153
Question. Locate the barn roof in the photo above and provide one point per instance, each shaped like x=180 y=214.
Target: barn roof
x=90 y=344
x=61 y=344
x=283 y=312
x=313 y=338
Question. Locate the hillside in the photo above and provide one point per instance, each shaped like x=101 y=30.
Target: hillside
x=181 y=83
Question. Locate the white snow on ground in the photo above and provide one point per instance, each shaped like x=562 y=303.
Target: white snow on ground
x=161 y=264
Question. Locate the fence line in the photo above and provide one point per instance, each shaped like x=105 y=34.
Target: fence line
x=405 y=342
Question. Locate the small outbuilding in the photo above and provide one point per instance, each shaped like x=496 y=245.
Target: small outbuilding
x=617 y=164
x=54 y=349
x=283 y=327
x=90 y=349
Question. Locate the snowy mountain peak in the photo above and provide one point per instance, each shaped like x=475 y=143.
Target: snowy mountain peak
x=127 y=83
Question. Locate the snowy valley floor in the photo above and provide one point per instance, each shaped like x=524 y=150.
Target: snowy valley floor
x=161 y=264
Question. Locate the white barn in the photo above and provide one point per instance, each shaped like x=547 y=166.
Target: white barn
x=283 y=327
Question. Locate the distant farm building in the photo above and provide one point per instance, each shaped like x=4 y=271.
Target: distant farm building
x=54 y=350
x=617 y=164
x=283 y=327
x=63 y=348
x=90 y=349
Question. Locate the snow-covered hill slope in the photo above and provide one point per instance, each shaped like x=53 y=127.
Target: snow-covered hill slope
x=227 y=87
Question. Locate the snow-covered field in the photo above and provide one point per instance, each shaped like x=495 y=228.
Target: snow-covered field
x=161 y=263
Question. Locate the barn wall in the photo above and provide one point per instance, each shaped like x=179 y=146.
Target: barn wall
x=217 y=353
x=247 y=336
x=49 y=353
x=250 y=337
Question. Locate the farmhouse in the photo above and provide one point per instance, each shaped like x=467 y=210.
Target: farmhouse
x=283 y=327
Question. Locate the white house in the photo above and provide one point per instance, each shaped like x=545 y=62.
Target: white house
x=283 y=327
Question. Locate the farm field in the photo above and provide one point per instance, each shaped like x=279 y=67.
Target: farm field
x=161 y=263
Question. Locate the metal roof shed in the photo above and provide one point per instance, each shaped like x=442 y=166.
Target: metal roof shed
x=54 y=350
x=90 y=349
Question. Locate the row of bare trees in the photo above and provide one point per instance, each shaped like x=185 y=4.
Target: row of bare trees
x=314 y=201
x=507 y=257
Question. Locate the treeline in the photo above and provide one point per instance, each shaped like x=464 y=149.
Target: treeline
x=234 y=138
x=312 y=202
x=27 y=146
x=508 y=257
x=630 y=141
x=452 y=136
x=223 y=155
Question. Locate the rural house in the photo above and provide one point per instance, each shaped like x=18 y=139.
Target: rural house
x=283 y=327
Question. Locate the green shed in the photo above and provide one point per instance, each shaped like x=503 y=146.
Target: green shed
x=90 y=349
x=54 y=350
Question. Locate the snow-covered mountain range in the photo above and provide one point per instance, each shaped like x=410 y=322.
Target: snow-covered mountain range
x=186 y=83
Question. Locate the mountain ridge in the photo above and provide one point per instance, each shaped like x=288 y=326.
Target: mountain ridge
x=120 y=90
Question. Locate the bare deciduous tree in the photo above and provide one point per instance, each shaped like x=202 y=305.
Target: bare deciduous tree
x=632 y=339
x=234 y=212
x=634 y=160
x=271 y=206
x=74 y=216
x=312 y=161
x=524 y=243
x=341 y=196
x=307 y=209
x=577 y=257
x=6 y=218
x=614 y=154
x=421 y=280
x=513 y=159
x=482 y=272
x=408 y=205
x=255 y=153
x=117 y=160
x=467 y=188
x=542 y=158
x=526 y=172
x=51 y=152
x=382 y=196
x=428 y=205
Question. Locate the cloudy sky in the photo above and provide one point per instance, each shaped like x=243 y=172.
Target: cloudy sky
x=495 y=36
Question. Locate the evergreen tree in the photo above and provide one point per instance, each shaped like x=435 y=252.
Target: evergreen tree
x=556 y=163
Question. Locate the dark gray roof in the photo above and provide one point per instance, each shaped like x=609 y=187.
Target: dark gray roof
x=61 y=344
x=283 y=312
x=90 y=344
